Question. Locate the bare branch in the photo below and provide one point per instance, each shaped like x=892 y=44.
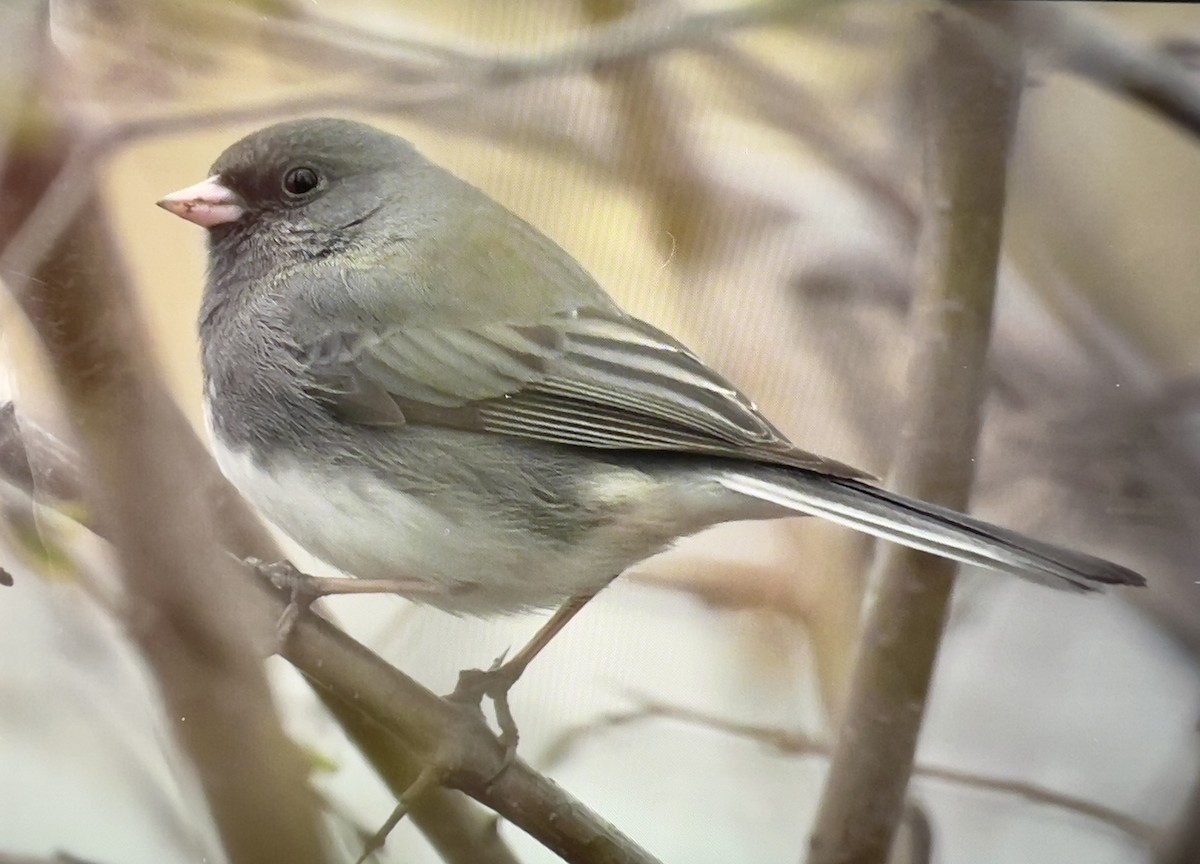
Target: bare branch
x=794 y=743
x=970 y=116
x=195 y=641
x=1086 y=43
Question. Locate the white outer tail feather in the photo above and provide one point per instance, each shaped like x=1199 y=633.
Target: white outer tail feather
x=926 y=527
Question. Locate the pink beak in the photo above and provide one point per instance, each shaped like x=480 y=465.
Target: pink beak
x=208 y=203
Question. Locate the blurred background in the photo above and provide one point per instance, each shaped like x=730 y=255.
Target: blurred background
x=747 y=177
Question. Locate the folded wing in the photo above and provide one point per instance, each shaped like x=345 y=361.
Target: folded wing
x=584 y=378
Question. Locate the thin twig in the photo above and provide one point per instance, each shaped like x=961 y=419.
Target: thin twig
x=1088 y=44
x=796 y=743
x=460 y=831
x=427 y=780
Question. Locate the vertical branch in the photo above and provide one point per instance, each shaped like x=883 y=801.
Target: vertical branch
x=179 y=587
x=970 y=106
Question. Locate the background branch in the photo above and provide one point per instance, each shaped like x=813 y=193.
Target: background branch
x=970 y=113
x=793 y=743
x=179 y=612
x=1088 y=44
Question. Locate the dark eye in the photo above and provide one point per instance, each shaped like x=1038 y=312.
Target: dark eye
x=301 y=180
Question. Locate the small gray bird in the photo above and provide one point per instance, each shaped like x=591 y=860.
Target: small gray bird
x=414 y=383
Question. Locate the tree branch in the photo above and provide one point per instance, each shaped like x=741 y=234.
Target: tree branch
x=460 y=832
x=195 y=641
x=1088 y=44
x=792 y=743
x=971 y=110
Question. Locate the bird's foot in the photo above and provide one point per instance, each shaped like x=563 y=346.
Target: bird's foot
x=494 y=683
x=302 y=589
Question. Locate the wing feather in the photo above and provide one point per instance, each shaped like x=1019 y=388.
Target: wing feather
x=583 y=378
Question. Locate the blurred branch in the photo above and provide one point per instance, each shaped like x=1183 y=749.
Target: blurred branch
x=654 y=126
x=787 y=105
x=21 y=22
x=1087 y=43
x=427 y=74
x=970 y=113
x=653 y=146
x=916 y=833
x=825 y=605
x=196 y=642
x=38 y=465
x=793 y=743
x=651 y=31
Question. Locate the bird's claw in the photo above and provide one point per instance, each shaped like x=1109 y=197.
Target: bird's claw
x=494 y=683
x=301 y=593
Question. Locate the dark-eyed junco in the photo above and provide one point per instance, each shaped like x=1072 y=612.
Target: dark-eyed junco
x=413 y=382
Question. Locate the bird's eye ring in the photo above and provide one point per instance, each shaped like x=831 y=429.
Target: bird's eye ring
x=300 y=180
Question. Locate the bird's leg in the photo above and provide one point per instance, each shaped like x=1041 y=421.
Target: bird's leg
x=304 y=590
x=474 y=684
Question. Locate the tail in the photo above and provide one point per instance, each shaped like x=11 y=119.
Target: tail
x=929 y=528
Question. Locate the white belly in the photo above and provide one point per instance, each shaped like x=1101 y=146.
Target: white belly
x=468 y=561
x=353 y=521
